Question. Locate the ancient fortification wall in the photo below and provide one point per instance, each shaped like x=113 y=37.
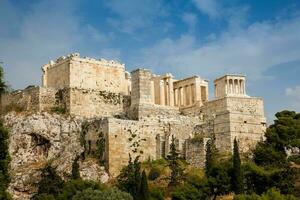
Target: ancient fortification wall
x=138 y=113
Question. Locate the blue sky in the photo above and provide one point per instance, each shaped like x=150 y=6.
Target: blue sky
x=259 y=38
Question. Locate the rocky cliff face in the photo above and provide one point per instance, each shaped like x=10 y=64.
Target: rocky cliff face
x=43 y=138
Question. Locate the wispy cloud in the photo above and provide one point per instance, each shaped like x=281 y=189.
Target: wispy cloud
x=133 y=15
x=294 y=94
x=250 y=50
x=48 y=30
x=208 y=7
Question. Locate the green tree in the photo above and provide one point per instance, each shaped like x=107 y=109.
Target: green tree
x=272 y=194
x=194 y=188
x=129 y=179
x=4 y=162
x=174 y=165
x=3 y=86
x=270 y=154
x=144 y=192
x=75 y=168
x=211 y=155
x=219 y=179
x=108 y=194
x=50 y=183
x=237 y=177
x=283 y=134
x=73 y=186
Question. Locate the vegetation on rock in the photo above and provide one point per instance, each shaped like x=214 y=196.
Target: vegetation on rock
x=4 y=162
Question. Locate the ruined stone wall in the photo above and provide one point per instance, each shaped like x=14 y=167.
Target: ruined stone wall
x=47 y=98
x=152 y=112
x=57 y=75
x=145 y=138
x=95 y=103
x=25 y=100
x=130 y=137
x=97 y=75
x=195 y=152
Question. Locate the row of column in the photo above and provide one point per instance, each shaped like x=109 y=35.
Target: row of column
x=235 y=86
x=184 y=96
x=166 y=92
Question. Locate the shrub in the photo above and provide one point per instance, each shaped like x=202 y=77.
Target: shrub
x=154 y=173
x=109 y=194
x=72 y=187
x=157 y=193
x=272 y=194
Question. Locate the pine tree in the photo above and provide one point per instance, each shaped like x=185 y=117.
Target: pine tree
x=211 y=154
x=237 y=177
x=75 y=169
x=144 y=192
x=129 y=179
x=137 y=178
x=173 y=159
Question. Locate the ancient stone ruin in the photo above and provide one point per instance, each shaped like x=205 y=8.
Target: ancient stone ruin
x=113 y=113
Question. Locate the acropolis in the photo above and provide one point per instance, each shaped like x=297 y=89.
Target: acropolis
x=137 y=113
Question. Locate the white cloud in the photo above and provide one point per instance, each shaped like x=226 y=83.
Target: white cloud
x=293 y=92
x=208 y=7
x=46 y=31
x=133 y=15
x=251 y=50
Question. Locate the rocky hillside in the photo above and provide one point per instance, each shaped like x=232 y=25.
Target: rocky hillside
x=42 y=138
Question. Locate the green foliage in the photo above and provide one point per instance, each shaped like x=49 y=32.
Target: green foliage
x=50 y=184
x=295 y=159
x=3 y=86
x=174 y=165
x=75 y=168
x=273 y=168
x=283 y=134
x=4 y=162
x=211 y=154
x=219 y=179
x=84 y=128
x=109 y=194
x=154 y=173
x=72 y=187
x=44 y=196
x=59 y=110
x=144 y=190
x=157 y=193
x=100 y=149
x=195 y=188
x=237 y=177
x=129 y=179
x=259 y=179
x=272 y=194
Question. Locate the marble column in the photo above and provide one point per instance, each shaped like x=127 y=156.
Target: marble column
x=171 y=92
x=162 y=93
x=176 y=97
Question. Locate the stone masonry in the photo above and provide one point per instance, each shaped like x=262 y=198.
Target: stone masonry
x=137 y=113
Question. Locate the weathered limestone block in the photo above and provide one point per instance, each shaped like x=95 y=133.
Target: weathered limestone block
x=90 y=170
x=38 y=139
